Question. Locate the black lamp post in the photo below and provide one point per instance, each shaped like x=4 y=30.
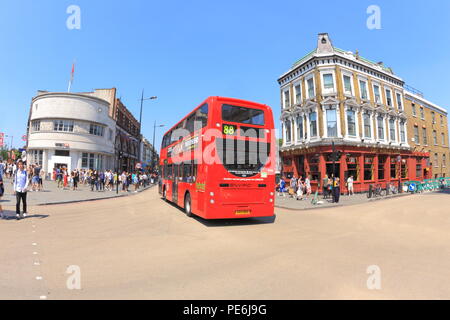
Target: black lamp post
x=140 y=121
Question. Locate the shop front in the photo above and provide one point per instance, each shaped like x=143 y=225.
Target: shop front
x=366 y=165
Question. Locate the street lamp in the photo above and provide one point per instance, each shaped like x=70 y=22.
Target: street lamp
x=154 y=150
x=12 y=137
x=140 y=121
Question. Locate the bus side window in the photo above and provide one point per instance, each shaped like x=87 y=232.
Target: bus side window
x=194 y=171
x=181 y=177
x=190 y=123
x=169 y=172
x=202 y=115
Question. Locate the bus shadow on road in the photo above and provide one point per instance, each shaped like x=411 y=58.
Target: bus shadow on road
x=227 y=222
x=235 y=222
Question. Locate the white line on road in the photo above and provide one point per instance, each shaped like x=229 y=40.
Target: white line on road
x=43 y=297
x=39 y=278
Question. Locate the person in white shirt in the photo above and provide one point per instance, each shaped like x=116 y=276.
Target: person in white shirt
x=350 y=185
x=20 y=189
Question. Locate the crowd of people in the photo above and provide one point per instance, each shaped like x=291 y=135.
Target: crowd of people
x=301 y=189
x=31 y=178
x=107 y=180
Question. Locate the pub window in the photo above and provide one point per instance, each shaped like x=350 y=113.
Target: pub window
x=367 y=126
x=288 y=131
x=313 y=124
x=402 y=132
x=331 y=122
x=393 y=168
x=298 y=94
x=381 y=163
x=368 y=168
x=419 y=168
x=353 y=167
x=404 y=169
x=351 y=123
x=314 y=167
x=299 y=127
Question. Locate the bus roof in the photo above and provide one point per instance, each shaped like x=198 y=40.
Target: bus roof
x=221 y=99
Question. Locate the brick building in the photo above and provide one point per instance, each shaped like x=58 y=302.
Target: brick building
x=332 y=95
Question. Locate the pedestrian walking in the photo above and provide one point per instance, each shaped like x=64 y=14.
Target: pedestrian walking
x=65 y=178
x=300 y=188
x=325 y=186
x=41 y=179
x=2 y=191
x=350 y=185
x=336 y=190
x=20 y=185
x=308 y=186
x=76 y=178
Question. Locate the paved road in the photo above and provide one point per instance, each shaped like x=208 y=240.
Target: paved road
x=143 y=248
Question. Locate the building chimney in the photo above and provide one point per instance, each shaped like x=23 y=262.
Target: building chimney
x=324 y=44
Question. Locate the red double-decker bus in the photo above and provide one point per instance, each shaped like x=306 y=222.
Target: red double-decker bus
x=218 y=162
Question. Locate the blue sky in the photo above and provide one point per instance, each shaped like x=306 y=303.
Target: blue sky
x=185 y=51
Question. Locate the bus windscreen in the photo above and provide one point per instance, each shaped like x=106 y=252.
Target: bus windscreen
x=245 y=115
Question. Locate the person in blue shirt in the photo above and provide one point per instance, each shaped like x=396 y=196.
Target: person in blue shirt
x=20 y=189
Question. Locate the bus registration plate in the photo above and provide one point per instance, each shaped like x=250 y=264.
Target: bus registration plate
x=242 y=212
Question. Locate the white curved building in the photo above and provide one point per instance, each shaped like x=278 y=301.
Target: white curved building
x=74 y=130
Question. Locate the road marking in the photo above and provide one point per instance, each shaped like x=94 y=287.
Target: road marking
x=35 y=253
x=38 y=278
x=43 y=297
x=37 y=264
x=34 y=244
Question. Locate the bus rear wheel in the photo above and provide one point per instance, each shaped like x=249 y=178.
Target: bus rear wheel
x=188 y=205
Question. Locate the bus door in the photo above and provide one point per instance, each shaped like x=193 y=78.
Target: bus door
x=175 y=183
x=200 y=184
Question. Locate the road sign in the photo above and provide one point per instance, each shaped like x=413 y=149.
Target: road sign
x=24 y=137
x=2 y=142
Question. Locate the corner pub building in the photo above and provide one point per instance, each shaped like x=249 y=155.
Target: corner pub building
x=332 y=95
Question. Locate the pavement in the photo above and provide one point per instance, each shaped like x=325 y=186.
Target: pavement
x=54 y=195
x=142 y=247
x=288 y=202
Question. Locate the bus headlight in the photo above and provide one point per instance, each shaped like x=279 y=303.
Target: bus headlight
x=271 y=200
x=271 y=193
x=212 y=201
x=212 y=194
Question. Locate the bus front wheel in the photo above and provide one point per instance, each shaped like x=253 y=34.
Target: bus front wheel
x=188 y=205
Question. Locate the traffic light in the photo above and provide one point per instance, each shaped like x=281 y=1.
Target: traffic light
x=120 y=154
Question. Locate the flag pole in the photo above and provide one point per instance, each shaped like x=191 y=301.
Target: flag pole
x=71 y=77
